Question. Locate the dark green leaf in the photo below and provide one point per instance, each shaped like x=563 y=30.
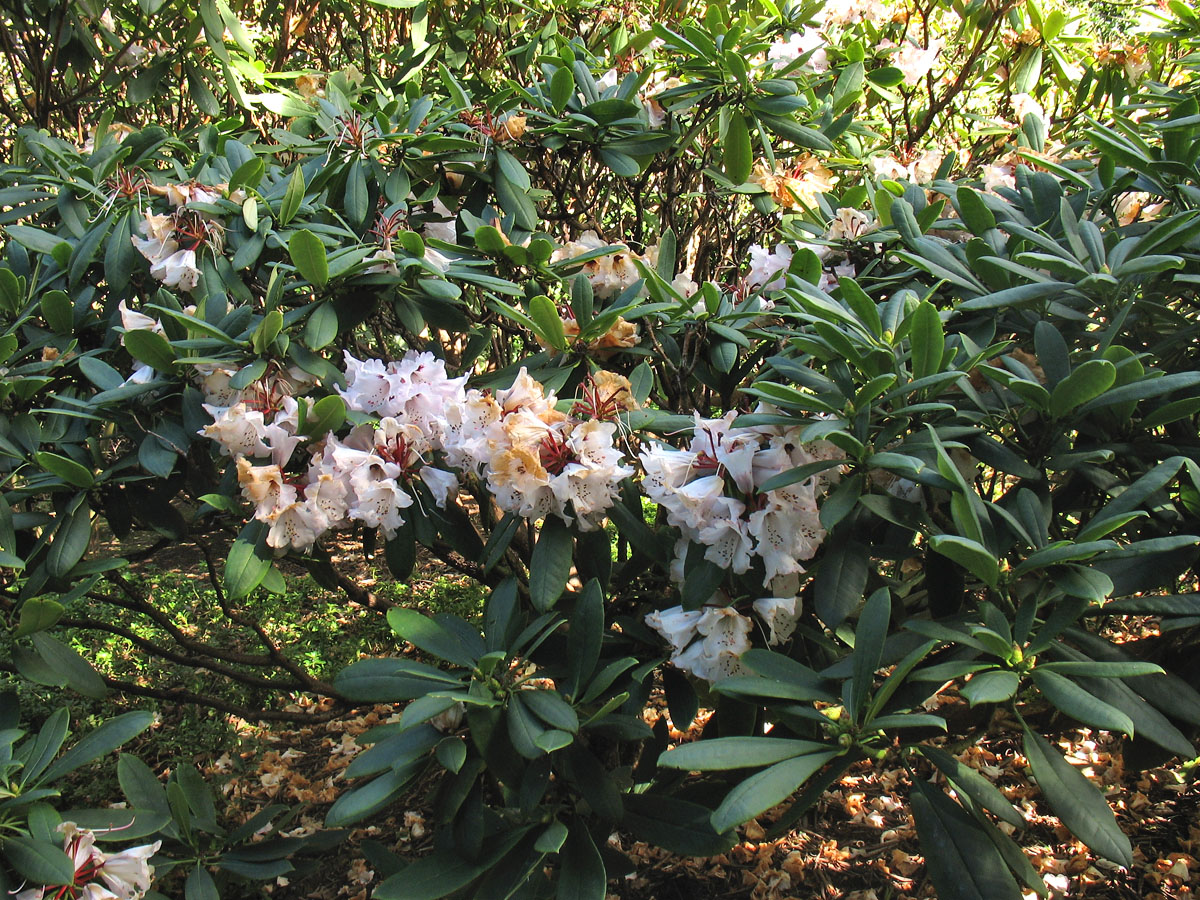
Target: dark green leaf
x=551 y=563
x=1073 y=700
x=735 y=753
x=79 y=672
x=994 y=686
x=1076 y=801
x=152 y=349
x=431 y=636
x=981 y=791
x=961 y=860
x=581 y=875
x=765 y=789
x=108 y=737
x=40 y=862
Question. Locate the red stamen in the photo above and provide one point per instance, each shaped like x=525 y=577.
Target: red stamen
x=554 y=454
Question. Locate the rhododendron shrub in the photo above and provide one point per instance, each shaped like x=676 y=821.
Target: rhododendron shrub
x=759 y=363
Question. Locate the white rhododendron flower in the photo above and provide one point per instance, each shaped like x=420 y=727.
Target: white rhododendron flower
x=178 y=270
x=850 y=12
x=544 y=462
x=159 y=237
x=768 y=268
x=706 y=643
x=999 y=176
x=173 y=264
x=444 y=227
x=780 y=615
x=383 y=262
x=656 y=113
x=213 y=380
x=136 y=321
x=125 y=875
x=783 y=53
x=712 y=492
x=798 y=186
x=609 y=275
x=850 y=224
x=915 y=61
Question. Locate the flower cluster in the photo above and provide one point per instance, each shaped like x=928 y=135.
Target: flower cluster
x=171 y=241
x=712 y=492
x=538 y=461
x=708 y=643
x=365 y=477
x=99 y=876
x=426 y=428
x=611 y=274
x=796 y=187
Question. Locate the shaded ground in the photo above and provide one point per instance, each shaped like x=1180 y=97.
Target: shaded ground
x=858 y=843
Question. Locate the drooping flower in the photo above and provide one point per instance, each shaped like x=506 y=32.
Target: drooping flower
x=780 y=615
x=707 y=644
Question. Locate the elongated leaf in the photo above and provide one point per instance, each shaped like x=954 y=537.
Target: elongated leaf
x=841 y=580
x=39 y=861
x=248 y=561
x=585 y=636
x=360 y=802
x=972 y=556
x=309 y=257
x=678 y=826
x=582 y=875
x=46 y=745
x=549 y=323
x=765 y=789
x=928 y=341
x=739 y=153
x=152 y=349
x=551 y=709
x=66 y=469
x=139 y=785
x=444 y=872
x=961 y=861
x=79 y=672
x=1079 y=704
x=1143 y=390
x=868 y=650
x=200 y=885
x=736 y=753
x=388 y=680
x=1087 y=382
x=1076 y=801
x=293 y=197
x=551 y=563
x=772 y=688
x=422 y=631
x=981 y=791
x=38 y=615
x=524 y=729
x=994 y=686
x=108 y=737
